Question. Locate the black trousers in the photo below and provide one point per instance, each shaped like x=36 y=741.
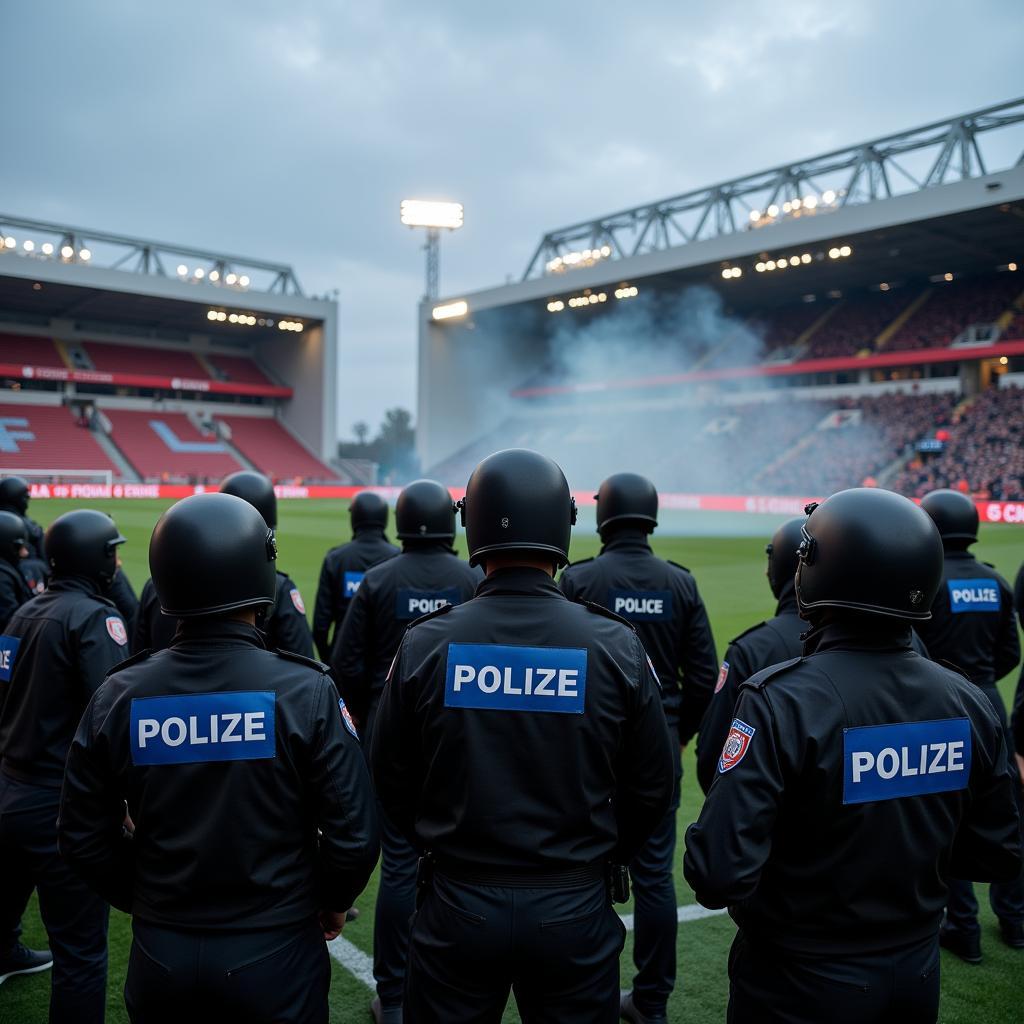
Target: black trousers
x=770 y=986
x=74 y=916
x=278 y=976
x=1005 y=898
x=655 y=922
x=396 y=902
x=556 y=949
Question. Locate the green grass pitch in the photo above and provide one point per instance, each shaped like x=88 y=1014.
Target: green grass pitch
x=730 y=572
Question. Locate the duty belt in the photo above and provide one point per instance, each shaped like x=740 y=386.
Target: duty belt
x=520 y=877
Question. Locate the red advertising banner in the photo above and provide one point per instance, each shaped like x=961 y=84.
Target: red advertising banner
x=142 y=380
x=762 y=504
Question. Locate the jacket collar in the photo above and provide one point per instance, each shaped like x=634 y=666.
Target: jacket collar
x=787 y=600
x=206 y=628
x=625 y=539
x=519 y=580
x=877 y=634
x=76 y=584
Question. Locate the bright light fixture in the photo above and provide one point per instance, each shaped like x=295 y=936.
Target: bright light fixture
x=244 y=281
x=28 y=245
x=428 y=213
x=47 y=248
x=451 y=310
x=67 y=252
x=84 y=254
x=182 y=270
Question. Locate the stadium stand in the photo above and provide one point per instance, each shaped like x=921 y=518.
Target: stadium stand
x=782 y=328
x=164 y=446
x=857 y=323
x=24 y=349
x=240 y=369
x=984 y=454
x=953 y=307
x=135 y=359
x=47 y=437
x=272 y=450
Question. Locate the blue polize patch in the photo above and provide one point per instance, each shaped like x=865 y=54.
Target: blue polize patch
x=8 y=652
x=352 y=581
x=974 y=596
x=499 y=678
x=411 y=604
x=882 y=762
x=641 y=605
x=236 y=725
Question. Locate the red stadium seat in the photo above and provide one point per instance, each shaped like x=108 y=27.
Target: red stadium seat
x=26 y=350
x=239 y=369
x=269 y=447
x=47 y=437
x=158 y=362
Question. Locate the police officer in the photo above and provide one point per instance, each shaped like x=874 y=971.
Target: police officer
x=151 y=629
x=662 y=602
x=285 y=621
x=14 y=498
x=425 y=576
x=521 y=745
x=343 y=568
x=251 y=804
x=973 y=627
x=14 y=591
x=55 y=652
x=854 y=780
x=777 y=639
x=1018 y=702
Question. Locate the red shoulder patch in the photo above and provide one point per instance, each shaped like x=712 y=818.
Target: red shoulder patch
x=723 y=674
x=117 y=631
x=737 y=743
x=296 y=597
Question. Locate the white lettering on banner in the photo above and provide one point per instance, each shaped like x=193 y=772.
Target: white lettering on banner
x=929 y=759
x=538 y=682
x=197 y=731
x=641 y=606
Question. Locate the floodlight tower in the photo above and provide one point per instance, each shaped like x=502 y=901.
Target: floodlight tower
x=432 y=215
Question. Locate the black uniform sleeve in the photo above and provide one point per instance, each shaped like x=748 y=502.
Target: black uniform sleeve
x=89 y=824
x=323 y=612
x=98 y=649
x=567 y=585
x=350 y=654
x=10 y=599
x=1007 y=643
x=1018 y=595
x=714 y=727
x=918 y=645
x=729 y=844
x=697 y=659
x=346 y=812
x=988 y=846
x=1017 y=718
x=395 y=748
x=123 y=595
x=646 y=770
x=291 y=630
x=139 y=624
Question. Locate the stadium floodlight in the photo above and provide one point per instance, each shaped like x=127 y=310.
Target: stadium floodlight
x=433 y=215
x=66 y=252
x=47 y=248
x=182 y=270
x=28 y=245
x=214 y=276
x=244 y=281
x=85 y=255
x=427 y=213
x=9 y=242
x=199 y=273
x=450 y=310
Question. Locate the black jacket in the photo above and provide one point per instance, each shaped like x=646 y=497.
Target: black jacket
x=67 y=639
x=226 y=830
x=14 y=592
x=972 y=624
x=151 y=629
x=33 y=531
x=822 y=834
x=767 y=643
x=285 y=626
x=559 y=758
x=661 y=600
x=391 y=595
x=1017 y=724
x=122 y=593
x=340 y=575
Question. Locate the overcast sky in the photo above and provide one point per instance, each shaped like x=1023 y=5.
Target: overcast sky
x=291 y=131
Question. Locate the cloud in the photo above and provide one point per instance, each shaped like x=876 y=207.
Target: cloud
x=292 y=131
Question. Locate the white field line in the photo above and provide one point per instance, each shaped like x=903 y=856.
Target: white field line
x=360 y=964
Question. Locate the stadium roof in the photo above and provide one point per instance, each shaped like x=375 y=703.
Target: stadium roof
x=898 y=164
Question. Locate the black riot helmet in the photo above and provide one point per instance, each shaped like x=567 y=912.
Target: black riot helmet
x=256 y=489
x=368 y=511
x=424 y=511
x=627 y=497
x=13 y=537
x=518 y=500
x=871 y=551
x=955 y=515
x=14 y=494
x=212 y=553
x=83 y=543
x=782 y=554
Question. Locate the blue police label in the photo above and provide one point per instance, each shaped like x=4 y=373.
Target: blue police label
x=352 y=581
x=641 y=605
x=8 y=652
x=973 y=596
x=882 y=762
x=235 y=725
x=411 y=604
x=503 y=678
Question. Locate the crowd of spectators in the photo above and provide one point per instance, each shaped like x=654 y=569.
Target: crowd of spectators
x=856 y=324
x=984 y=454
